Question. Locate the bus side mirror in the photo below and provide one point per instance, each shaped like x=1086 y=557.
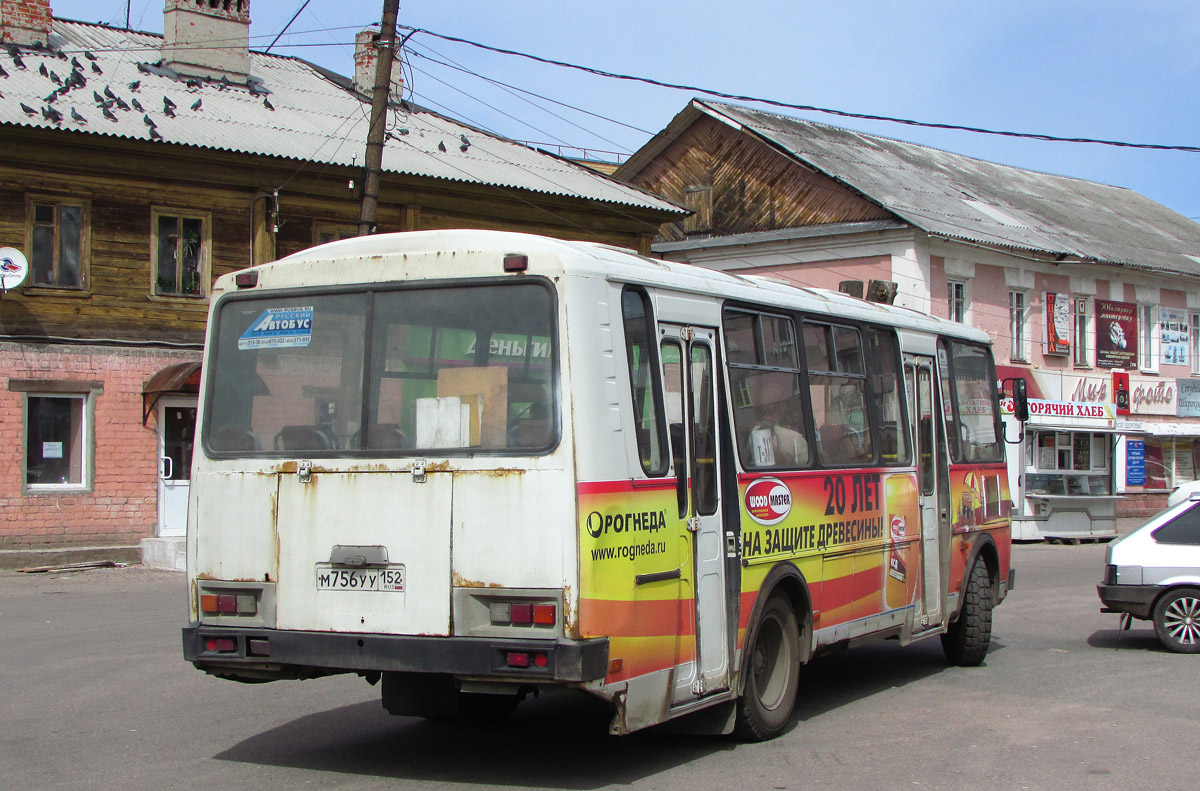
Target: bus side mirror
x=1020 y=400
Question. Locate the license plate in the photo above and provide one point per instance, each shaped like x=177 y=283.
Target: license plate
x=390 y=579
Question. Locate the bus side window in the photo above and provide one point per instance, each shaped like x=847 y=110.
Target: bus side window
x=672 y=360
x=648 y=424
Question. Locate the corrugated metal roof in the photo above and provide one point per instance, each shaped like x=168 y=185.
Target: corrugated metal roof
x=314 y=119
x=976 y=201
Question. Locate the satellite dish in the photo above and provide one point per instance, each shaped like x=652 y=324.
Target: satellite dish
x=13 y=268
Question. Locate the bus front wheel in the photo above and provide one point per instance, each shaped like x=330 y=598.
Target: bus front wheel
x=966 y=641
x=772 y=673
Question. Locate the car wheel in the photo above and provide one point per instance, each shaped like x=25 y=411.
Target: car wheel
x=772 y=673
x=966 y=642
x=1177 y=620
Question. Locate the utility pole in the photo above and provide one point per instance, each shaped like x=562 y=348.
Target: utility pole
x=379 y=102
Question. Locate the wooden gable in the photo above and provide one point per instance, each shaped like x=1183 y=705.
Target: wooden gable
x=736 y=183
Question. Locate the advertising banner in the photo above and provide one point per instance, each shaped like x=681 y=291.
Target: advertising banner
x=1116 y=334
x=1135 y=462
x=1058 y=323
x=1174 y=332
x=1151 y=396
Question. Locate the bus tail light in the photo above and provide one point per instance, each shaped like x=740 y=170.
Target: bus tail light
x=228 y=604
x=507 y=613
x=223 y=645
x=524 y=659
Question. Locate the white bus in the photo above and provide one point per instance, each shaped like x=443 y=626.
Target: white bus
x=475 y=464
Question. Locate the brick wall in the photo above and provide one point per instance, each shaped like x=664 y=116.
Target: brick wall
x=122 y=506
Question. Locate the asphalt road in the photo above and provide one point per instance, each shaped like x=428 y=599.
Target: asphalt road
x=95 y=694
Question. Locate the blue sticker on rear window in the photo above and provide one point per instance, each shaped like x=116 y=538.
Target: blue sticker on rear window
x=278 y=328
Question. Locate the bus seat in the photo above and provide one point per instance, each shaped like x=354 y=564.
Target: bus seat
x=386 y=436
x=235 y=438
x=304 y=438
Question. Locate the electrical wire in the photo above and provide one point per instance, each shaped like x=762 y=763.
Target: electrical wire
x=804 y=107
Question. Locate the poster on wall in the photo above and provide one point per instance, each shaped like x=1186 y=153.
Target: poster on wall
x=1174 y=333
x=1058 y=323
x=1188 y=403
x=1135 y=462
x=1116 y=334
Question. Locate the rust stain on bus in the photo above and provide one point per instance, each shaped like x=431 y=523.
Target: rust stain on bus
x=459 y=581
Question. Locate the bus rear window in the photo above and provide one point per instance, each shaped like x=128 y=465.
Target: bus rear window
x=468 y=368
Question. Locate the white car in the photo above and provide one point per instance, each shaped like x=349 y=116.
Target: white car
x=1154 y=574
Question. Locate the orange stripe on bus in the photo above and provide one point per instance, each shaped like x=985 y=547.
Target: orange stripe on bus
x=616 y=618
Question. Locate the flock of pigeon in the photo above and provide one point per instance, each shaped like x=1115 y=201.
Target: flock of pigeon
x=108 y=102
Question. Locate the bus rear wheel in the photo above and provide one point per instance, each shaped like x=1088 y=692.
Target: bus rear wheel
x=966 y=641
x=772 y=673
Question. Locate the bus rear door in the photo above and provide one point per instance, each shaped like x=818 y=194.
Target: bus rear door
x=934 y=499
x=689 y=377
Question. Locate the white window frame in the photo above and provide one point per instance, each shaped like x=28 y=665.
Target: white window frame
x=1149 y=338
x=1194 y=341
x=958 y=303
x=86 y=447
x=1018 y=326
x=1081 y=312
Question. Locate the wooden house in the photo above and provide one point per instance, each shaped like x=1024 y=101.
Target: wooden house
x=136 y=168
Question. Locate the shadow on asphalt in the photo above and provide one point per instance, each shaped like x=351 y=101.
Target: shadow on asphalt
x=1134 y=639
x=559 y=740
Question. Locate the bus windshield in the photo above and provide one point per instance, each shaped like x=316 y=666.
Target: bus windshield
x=372 y=372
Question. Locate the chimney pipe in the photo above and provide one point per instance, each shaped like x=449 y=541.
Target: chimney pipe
x=207 y=38
x=366 y=56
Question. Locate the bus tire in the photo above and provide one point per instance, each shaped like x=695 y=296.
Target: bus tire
x=772 y=673
x=966 y=641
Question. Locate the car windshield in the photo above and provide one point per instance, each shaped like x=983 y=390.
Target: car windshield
x=457 y=369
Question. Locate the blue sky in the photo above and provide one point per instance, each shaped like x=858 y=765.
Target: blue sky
x=1099 y=69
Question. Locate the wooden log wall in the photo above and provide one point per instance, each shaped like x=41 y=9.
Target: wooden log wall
x=738 y=184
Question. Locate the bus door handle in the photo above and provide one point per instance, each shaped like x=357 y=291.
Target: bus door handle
x=693 y=524
x=657 y=576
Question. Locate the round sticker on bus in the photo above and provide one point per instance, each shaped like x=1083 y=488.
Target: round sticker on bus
x=768 y=501
x=898 y=527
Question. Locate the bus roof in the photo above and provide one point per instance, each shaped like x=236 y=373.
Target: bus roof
x=423 y=255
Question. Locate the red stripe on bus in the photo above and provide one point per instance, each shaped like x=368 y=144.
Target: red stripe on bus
x=625 y=486
x=624 y=618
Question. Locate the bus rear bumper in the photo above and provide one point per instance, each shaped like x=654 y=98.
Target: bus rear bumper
x=264 y=654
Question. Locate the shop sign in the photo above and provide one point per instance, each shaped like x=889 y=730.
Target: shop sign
x=1086 y=389
x=1135 y=462
x=1058 y=323
x=1151 y=396
x=1188 y=393
x=1116 y=334
x=1065 y=413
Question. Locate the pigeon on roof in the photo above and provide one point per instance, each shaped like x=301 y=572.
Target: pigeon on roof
x=108 y=114
x=3 y=73
x=197 y=103
x=29 y=111
x=154 y=135
x=267 y=104
x=77 y=117
x=133 y=86
x=148 y=121
x=137 y=105
x=50 y=114
x=42 y=70
x=97 y=69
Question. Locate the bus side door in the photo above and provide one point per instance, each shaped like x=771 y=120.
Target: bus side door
x=689 y=378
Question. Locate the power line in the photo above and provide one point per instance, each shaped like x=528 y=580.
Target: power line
x=805 y=107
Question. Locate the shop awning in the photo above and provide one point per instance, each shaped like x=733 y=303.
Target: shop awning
x=177 y=378
x=1017 y=372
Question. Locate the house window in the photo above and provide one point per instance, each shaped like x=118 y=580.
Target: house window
x=957 y=298
x=325 y=233
x=1081 y=332
x=58 y=243
x=1017 y=319
x=180 y=250
x=56 y=428
x=1194 y=343
x=1147 y=337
